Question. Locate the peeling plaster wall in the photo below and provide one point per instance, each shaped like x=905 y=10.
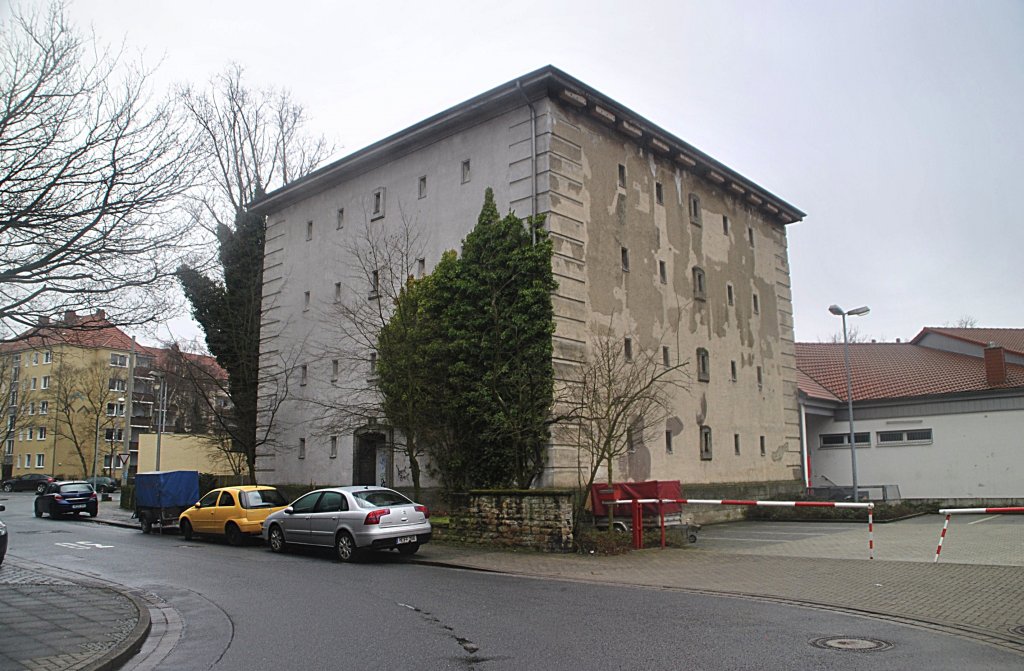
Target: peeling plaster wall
x=592 y=218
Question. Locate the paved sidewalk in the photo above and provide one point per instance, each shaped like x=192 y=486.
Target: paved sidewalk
x=50 y=620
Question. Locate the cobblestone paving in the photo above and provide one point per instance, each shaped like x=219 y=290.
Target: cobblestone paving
x=50 y=623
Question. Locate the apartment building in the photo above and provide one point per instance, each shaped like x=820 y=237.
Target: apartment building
x=655 y=243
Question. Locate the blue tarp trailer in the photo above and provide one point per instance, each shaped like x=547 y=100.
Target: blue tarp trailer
x=161 y=496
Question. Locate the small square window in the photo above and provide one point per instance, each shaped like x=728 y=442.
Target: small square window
x=729 y=296
x=334 y=447
x=374 y=284
x=732 y=371
x=699 y=288
x=305 y=301
x=695 y=211
x=736 y=443
x=627 y=349
x=466 y=174
x=341 y=218
x=422 y=188
x=662 y=272
x=659 y=193
x=377 y=203
x=725 y=225
x=757 y=305
x=666 y=358
x=309 y=230
x=302 y=448
x=625 y=258
x=763 y=452
x=622 y=176
x=703 y=365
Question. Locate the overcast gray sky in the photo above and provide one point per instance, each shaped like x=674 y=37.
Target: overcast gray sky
x=895 y=125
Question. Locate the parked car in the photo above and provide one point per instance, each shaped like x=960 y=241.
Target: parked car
x=3 y=537
x=351 y=519
x=234 y=512
x=28 y=482
x=104 y=484
x=69 y=497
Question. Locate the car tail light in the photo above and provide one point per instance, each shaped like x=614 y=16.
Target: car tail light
x=58 y=497
x=373 y=517
x=92 y=496
x=424 y=510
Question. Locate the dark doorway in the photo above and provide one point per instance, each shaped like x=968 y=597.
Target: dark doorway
x=364 y=467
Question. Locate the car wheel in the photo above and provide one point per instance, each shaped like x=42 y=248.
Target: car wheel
x=40 y=489
x=8 y=487
x=146 y=523
x=277 y=543
x=345 y=546
x=408 y=549
x=94 y=513
x=234 y=534
x=185 y=527
x=39 y=511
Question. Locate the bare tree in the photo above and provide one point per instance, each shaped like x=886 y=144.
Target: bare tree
x=382 y=260
x=90 y=167
x=615 y=400
x=87 y=403
x=14 y=398
x=251 y=141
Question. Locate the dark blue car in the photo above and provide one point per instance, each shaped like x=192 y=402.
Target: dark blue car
x=3 y=538
x=67 y=498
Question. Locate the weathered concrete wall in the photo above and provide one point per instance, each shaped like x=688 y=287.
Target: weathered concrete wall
x=541 y=520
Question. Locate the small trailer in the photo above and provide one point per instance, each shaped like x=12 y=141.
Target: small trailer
x=655 y=515
x=161 y=496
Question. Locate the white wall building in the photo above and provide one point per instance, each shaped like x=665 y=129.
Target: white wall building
x=940 y=417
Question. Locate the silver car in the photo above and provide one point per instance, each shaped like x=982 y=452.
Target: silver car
x=351 y=519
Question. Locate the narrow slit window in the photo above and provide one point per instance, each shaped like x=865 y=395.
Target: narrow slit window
x=662 y=272
x=659 y=193
x=699 y=288
x=309 y=230
x=732 y=371
x=763 y=450
x=729 y=296
x=703 y=365
x=725 y=225
x=627 y=349
x=757 y=305
x=334 y=369
x=705 y=443
x=736 y=444
x=622 y=176
x=666 y=356
x=695 y=212
x=466 y=174
x=668 y=442
x=302 y=448
x=341 y=218
x=334 y=447
x=337 y=292
x=625 y=258
x=750 y=235
x=377 y=203
x=421 y=267
x=305 y=301
x=760 y=378
x=422 y=188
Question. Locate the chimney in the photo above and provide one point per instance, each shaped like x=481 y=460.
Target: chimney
x=100 y=314
x=70 y=317
x=995 y=365
x=43 y=321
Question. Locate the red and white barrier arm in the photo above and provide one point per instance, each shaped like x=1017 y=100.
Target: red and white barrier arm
x=870 y=507
x=982 y=511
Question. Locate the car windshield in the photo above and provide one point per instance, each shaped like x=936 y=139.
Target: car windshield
x=76 y=489
x=372 y=498
x=263 y=498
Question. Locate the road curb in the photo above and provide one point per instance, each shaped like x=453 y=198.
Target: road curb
x=116 y=657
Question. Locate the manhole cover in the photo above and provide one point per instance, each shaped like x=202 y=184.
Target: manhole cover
x=851 y=644
x=1017 y=630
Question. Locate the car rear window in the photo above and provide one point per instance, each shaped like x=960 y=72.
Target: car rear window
x=372 y=498
x=76 y=489
x=263 y=498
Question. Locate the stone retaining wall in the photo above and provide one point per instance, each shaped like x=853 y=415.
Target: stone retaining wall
x=537 y=519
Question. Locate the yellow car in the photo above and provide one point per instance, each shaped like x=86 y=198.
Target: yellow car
x=232 y=512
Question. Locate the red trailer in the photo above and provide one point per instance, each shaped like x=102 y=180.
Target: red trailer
x=654 y=514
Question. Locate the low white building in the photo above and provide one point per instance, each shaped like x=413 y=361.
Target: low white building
x=940 y=417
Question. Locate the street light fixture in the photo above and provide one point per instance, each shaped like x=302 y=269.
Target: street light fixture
x=856 y=312
x=160 y=386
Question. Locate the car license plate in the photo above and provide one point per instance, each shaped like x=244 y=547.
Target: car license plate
x=78 y=505
x=405 y=539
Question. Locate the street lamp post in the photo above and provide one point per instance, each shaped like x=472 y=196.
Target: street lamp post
x=160 y=385
x=839 y=312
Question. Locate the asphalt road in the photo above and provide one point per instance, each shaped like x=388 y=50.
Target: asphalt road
x=217 y=606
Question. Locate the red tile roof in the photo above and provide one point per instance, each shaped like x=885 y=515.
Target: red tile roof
x=1012 y=340
x=894 y=370
x=89 y=331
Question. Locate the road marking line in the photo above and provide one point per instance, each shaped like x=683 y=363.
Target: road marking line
x=983 y=519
